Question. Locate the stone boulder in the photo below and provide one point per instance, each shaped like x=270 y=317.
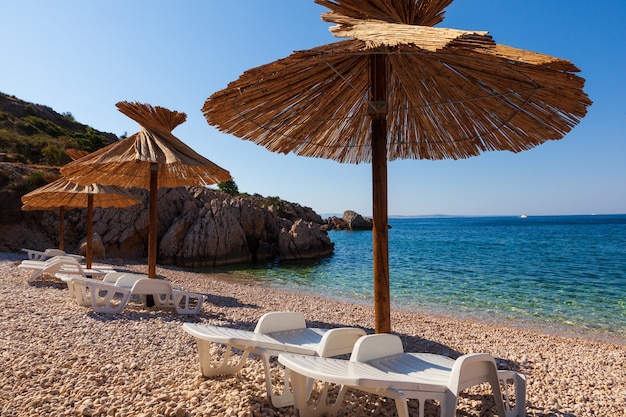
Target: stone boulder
x=355 y=221
x=351 y=220
x=97 y=247
x=303 y=239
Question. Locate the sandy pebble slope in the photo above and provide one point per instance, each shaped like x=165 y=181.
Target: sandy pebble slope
x=58 y=358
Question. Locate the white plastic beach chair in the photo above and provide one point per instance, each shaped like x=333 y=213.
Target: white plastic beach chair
x=80 y=292
x=379 y=365
x=275 y=332
x=106 y=297
x=102 y=297
x=49 y=266
x=35 y=255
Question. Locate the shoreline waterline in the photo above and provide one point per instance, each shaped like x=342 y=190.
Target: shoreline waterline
x=566 y=273
x=231 y=274
x=495 y=319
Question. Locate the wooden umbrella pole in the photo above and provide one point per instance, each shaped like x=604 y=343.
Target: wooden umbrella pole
x=380 y=242
x=89 y=230
x=61 y=227
x=152 y=233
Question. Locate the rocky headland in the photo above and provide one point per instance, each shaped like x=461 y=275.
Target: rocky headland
x=196 y=226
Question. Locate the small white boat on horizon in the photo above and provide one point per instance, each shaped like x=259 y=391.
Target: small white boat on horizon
x=523 y=216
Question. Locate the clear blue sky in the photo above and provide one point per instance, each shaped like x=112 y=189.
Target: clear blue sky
x=84 y=56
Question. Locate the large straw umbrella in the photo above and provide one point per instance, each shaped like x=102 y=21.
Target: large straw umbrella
x=61 y=194
x=400 y=89
x=151 y=158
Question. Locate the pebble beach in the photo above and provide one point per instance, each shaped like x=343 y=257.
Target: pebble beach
x=61 y=359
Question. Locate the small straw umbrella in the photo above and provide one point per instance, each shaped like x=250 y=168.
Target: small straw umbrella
x=400 y=88
x=151 y=158
x=62 y=193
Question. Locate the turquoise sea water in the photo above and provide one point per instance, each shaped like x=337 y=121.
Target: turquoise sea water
x=562 y=272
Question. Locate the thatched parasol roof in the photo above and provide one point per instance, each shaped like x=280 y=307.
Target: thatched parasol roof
x=127 y=163
x=63 y=193
x=450 y=93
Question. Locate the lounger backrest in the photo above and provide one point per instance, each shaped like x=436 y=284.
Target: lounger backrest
x=339 y=341
x=54 y=252
x=472 y=369
x=151 y=286
x=112 y=277
x=61 y=258
x=129 y=280
x=280 y=321
x=376 y=346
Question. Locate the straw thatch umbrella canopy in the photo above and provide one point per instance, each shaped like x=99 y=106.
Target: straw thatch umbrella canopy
x=62 y=193
x=400 y=89
x=151 y=158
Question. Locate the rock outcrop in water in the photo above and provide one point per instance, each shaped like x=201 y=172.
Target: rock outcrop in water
x=196 y=227
x=351 y=220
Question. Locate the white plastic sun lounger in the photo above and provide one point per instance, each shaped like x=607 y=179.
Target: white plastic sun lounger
x=60 y=265
x=275 y=333
x=111 y=298
x=379 y=365
x=35 y=255
x=79 y=291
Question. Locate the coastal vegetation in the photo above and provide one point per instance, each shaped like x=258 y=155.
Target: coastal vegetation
x=37 y=135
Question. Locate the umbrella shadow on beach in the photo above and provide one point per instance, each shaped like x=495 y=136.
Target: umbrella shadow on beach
x=133 y=312
x=140 y=313
x=49 y=282
x=227 y=301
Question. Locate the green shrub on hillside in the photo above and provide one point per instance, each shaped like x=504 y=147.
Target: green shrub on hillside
x=55 y=156
x=35 y=180
x=36 y=134
x=44 y=126
x=89 y=141
x=229 y=187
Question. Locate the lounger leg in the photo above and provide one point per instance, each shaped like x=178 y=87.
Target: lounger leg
x=103 y=298
x=34 y=275
x=70 y=288
x=224 y=367
x=187 y=302
x=302 y=392
x=519 y=381
x=79 y=292
x=448 y=404
x=285 y=398
x=401 y=402
x=497 y=394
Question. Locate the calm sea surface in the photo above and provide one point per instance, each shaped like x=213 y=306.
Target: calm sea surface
x=560 y=272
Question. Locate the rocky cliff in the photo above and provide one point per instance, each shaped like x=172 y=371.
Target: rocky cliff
x=196 y=226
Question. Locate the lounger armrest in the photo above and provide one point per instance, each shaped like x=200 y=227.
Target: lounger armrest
x=471 y=369
x=339 y=341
